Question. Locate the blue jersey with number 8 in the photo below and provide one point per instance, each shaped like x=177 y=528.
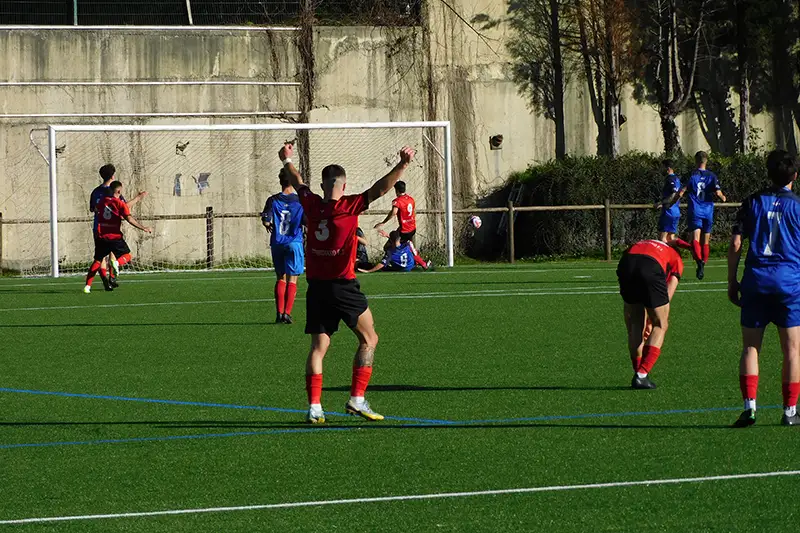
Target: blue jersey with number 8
x=702 y=186
x=286 y=215
x=771 y=221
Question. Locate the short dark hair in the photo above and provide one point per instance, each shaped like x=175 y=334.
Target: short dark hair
x=283 y=178
x=701 y=157
x=400 y=187
x=114 y=185
x=107 y=172
x=394 y=235
x=781 y=167
x=667 y=164
x=332 y=172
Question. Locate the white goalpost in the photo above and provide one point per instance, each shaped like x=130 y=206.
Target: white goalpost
x=207 y=185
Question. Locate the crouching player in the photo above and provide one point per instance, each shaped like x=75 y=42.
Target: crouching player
x=112 y=210
x=770 y=287
x=400 y=256
x=648 y=273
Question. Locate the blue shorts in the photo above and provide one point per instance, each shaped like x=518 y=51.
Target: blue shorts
x=668 y=223
x=289 y=258
x=759 y=310
x=701 y=222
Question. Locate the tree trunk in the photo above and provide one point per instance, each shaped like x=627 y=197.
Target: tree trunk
x=592 y=74
x=558 y=81
x=669 y=128
x=744 y=76
x=612 y=122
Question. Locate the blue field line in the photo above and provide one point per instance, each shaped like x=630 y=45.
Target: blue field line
x=204 y=404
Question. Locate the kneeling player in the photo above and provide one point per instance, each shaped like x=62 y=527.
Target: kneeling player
x=112 y=210
x=770 y=288
x=648 y=273
x=399 y=256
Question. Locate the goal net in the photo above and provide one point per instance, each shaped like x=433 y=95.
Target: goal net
x=206 y=187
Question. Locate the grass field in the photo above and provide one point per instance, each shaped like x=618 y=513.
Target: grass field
x=176 y=392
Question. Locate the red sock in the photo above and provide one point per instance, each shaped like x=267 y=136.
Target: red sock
x=103 y=272
x=636 y=361
x=697 y=254
x=124 y=260
x=92 y=272
x=680 y=243
x=420 y=261
x=649 y=357
x=749 y=386
x=361 y=375
x=790 y=393
x=291 y=292
x=314 y=388
x=280 y=296
x=706 y=252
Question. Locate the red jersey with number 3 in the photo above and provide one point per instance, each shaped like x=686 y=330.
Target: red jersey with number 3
x=331 y=238
x=406 y=213
x=667 y=256
x=111 y=211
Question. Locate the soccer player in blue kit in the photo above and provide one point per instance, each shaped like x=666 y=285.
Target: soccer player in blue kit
x=701 y=185
x=770 y=286
x=399 y=256
x=670 y=203
x=283 y=218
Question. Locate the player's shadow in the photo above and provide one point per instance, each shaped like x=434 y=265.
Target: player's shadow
x=426 y=388
x=140 y=324
x=37 y=291
x=518 y=282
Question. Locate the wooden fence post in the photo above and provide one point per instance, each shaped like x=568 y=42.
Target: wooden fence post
x=608 y=229
x=1 y=242
x=511 y=252
x=209 y=237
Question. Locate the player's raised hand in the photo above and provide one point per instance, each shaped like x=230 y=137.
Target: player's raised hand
x=407 y=155
x=286 y=152
x=733 y=293
x=378 y=226
x=148 y=230
x=142 y=194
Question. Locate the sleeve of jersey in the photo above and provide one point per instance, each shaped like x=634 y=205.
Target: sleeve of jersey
x=305 y=196
x=356 y=204
x=267 y=210
x=124 y=210
x=717 y=186
x=742 y=217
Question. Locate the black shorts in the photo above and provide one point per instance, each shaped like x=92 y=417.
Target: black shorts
x=405 y=237
x=642 y=281
x=103 y=247
x=331 y=301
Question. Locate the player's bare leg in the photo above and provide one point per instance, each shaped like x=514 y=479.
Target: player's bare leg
x=790 y=345
x=659 y=318
x=362 y=367
x=634 y=325
x=320 y=343
x=666 y=237
x=748 y=374
x=280 y=296
x=291 y=293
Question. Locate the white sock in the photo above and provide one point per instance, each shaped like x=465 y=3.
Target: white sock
x=315 y=407
x=749 y=404
x=790 y=411
x=358 y=401
x=641 y=375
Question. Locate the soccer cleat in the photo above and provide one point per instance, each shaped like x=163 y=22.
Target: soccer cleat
x=701 y=270
x=429 y=265
x=279 y=318
x=112 y=281
x=315 y=416
x=114 y=269
x=87 y=289
x=789 y=420
x=287 y=319
x=364 y=411
x=642 y=383
x=107 y=283
x=746 y=419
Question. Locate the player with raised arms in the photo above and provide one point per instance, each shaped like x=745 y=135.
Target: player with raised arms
x=404 y=209
x=701 y=184
x=334 y=295
x=112 y=211
x=770 y=288
x=283 y=218
x=649 y=273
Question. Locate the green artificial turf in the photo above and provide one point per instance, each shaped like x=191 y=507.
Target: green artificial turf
x=464 y=354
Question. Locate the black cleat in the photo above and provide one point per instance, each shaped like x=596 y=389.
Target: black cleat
x=112 y=280
x=746 y=419
x=701 y=270
x=107 y=283
x=279 y=318
x=790 y=420
x=287 y=319
x=642 y=383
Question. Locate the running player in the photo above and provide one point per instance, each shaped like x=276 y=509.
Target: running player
x=670 y=204
x=109 y=233
x=770 y=287
x=399 y=256
x=334 y=294
x=701 y=209
x=283 y=218
x=107 y=173
x=648 y=273
x=404 y=209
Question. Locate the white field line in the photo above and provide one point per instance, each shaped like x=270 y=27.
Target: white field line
x=409 y=497
x=568 y=291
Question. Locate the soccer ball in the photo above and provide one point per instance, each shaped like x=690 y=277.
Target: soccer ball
x=475 y=221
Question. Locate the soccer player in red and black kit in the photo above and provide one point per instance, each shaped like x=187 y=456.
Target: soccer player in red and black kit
x=404 y=208
x=111 y=210
x=334 y=294
x=648 y=273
